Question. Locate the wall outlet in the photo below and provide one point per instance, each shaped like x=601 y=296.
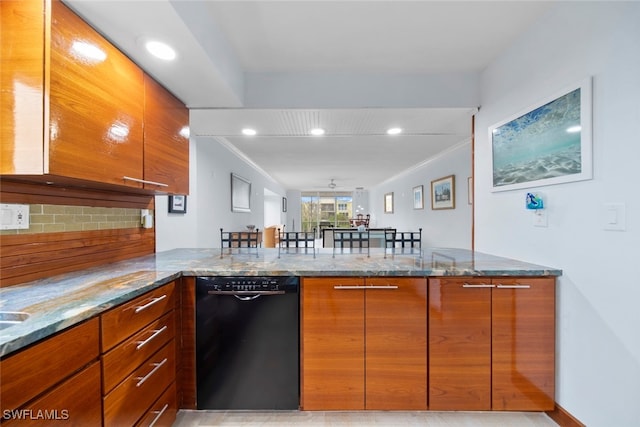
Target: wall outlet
x=15 y=217
x=540 y=218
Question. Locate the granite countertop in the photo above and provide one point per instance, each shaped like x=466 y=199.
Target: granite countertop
x=62 y=301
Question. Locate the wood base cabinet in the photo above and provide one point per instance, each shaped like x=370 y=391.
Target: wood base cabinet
x=492 y=343
x=363 y=344
x=139 y=359
x=55 y=381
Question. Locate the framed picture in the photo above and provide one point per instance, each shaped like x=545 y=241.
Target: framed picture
x=240 y=194
x=388 y=203
x=178 y=204
x=549 y=143
x=443 y=193
x=418 y=197
x=284 y=204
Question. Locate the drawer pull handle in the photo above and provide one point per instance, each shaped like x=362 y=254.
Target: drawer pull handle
x=480 y=285
x=381 y=287
x=155 y=334
x=160 y=412
x=513 y=286
x=144 y=181
x=347 y=287
x=156 y=366
x=150 y=303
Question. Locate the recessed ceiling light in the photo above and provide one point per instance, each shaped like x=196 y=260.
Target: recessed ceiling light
x=160 y=50
x=317 y=131
x=394 y=131
x=249 y=132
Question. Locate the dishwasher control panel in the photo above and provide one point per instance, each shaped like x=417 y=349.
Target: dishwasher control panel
x=247 y=283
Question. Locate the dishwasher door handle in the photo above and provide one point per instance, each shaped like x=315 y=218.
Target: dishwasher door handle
x=247 y=295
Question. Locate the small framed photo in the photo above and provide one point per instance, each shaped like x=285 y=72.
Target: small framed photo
x=443 y=194
x=178 y=204
x=284 y=204
x=418 y=197
x=388 y=203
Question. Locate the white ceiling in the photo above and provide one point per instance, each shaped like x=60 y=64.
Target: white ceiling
x=352 y=67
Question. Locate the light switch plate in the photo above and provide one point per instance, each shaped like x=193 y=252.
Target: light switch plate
x=614 y=217
x=14 y=217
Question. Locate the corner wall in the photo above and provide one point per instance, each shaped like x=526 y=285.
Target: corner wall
x=598 y=322
x=440 y=228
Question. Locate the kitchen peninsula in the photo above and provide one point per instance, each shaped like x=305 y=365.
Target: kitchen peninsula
x=508 y=301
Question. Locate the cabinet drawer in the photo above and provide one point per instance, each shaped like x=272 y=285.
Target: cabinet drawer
x=30 y=372
x=125 y=320
x=75 y=402
x=127 y=403
x=163 y=411
x=124 y=358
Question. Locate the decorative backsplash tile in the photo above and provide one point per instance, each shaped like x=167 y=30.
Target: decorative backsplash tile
x=60 y=218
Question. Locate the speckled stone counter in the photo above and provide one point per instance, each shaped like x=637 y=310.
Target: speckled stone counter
x=62 y=301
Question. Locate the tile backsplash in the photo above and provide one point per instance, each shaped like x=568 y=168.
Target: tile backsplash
x=60 y=218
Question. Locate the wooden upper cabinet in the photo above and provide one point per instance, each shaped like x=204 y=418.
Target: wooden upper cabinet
x=74 y=107
x=96 y=105
x=166 y=140
x=22 y=29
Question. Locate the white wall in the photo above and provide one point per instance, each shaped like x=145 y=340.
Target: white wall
x=209 y=200
x=598 y=321
x=440 y=228
x=175 y=230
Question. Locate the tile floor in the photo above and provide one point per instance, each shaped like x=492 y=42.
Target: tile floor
x=188 y=418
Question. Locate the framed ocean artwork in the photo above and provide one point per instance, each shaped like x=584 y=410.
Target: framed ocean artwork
x=549 y=143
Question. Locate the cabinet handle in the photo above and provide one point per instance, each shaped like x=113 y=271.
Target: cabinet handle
x=381 y=287
x=144 y=181
x=481 y=285
x=347 y=287
x=155 y=334
x=149 y=304
x=513 y=286
x=160 y=412
x=153 y=371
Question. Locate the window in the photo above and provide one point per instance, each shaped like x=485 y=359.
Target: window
x=323 y=209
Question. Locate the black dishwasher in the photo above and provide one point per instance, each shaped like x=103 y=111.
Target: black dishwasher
x=247 y=342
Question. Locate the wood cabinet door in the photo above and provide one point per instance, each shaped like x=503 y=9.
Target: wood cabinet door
x=22 y=30
x=96 y=105
x=459 y=344
x=33 y=370
x=523 y=342
x=166 y=140
x=396 y=343
x=332 y=341
x=75 y=402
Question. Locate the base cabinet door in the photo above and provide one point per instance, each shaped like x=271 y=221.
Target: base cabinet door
x=332 y=375
x=523 y=344
x=364 y=344
x=459 y=344
x=492 y=344
x=396 y=343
